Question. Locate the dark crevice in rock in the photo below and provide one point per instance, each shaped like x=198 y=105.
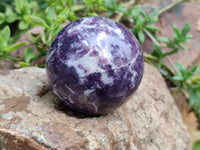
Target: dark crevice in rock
x=60 y=106
x=43 y=90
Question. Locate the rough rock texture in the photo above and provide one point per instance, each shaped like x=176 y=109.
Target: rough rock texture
x=6 y=64
x=32 y=118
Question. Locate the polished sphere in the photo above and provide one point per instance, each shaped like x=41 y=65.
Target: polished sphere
x=94 y=64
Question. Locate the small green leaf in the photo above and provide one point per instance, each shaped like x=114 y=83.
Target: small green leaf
x=63 y=3
x=185 y=29
x=196 y=145
x=63 y=15
x=19 y=5
x=111 y=4
x=38 y=21
x=181 y=68
x=194 y=99
x=138 y=22
x=109 y=13
x=5 y=33
x=2 y=18
x=188 y=37
x=92 y=14
x=157 y=51
x=16 y=46
x=135 y=11
x=33 y=5
x=198 y=95
x=194 y=69
x=23 y=64
x=142 y=12
x=176 y=33
x=77 y=7
x=178 y=78
x=153 y=28
x=171 y=44
x=175 y=28
x=55 y=32
x=70 y=3
x=11 y=19
x=43 y=66
x=29 y=54
x=51 y=15
x=154 y=16
x=164 y=39
x=141 y=36
x=10 y=15
x=183 y=47
x=23 y=25
x=72 y=16
x=160 y=62
x=121 y=8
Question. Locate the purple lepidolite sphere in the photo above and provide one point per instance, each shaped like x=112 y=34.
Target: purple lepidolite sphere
x=94 y=64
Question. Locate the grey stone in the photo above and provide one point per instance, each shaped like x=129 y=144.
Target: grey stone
x=31 y=117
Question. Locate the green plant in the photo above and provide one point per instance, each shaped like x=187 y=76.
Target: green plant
x=189 y=81
x=186 y=79
x=23 y=10
x=29 y=56
x=113 y=8
x=143 y=22
x=9 y=16
x=94 y=6
x=6 y=46
x=52 y=26
x=174 y=44
x=18 y=12
x=196 y=145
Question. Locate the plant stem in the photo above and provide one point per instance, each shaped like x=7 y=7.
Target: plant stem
x=128 y=5
x=151 y=37
x=171 y=63
x=171 y=52
x=161 y=11
x=158 y=44
x=168 y=69
x=13 y=58
x=149 y=56
x=150 y=62
x=78 y=7
x=38 y=56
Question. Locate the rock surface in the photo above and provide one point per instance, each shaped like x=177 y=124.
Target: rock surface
x=6 y=64
x=32 y=118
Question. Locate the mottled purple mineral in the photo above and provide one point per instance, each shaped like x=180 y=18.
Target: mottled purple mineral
x=94 y=64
